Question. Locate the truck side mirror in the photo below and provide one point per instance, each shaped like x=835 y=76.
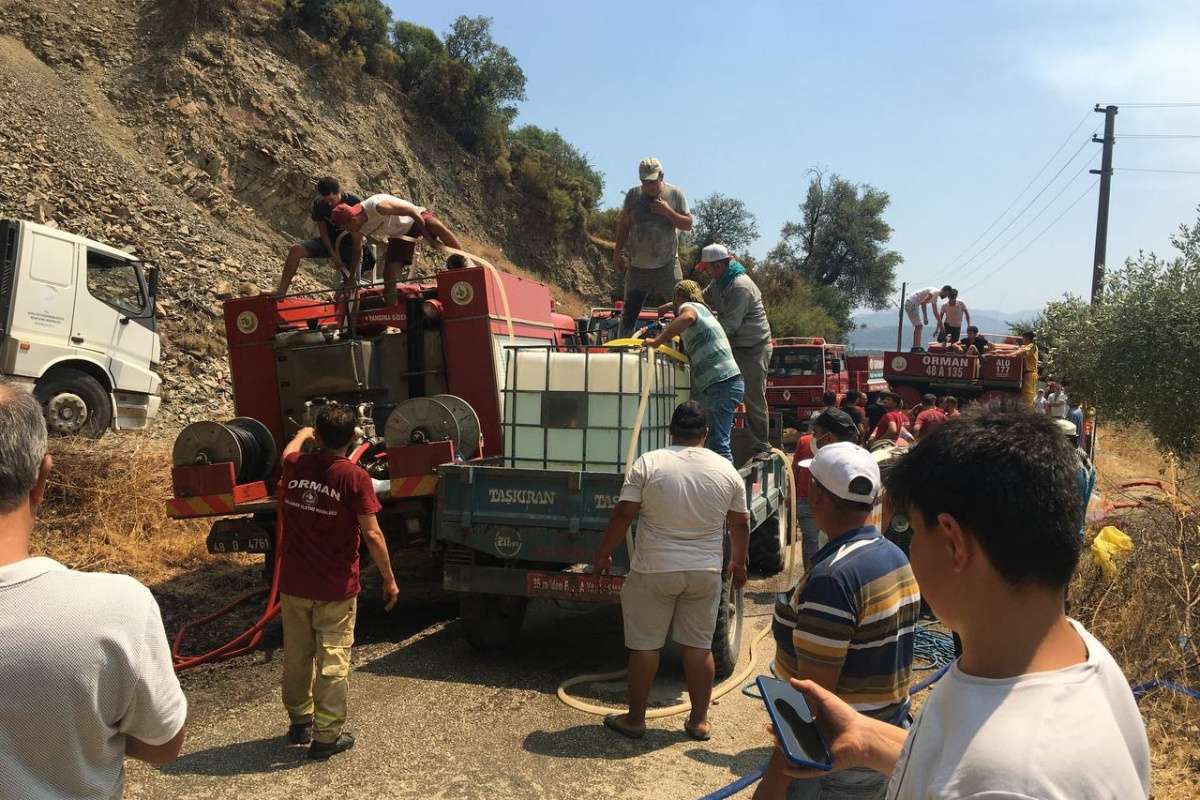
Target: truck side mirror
x=152 y=284
x=835 y=365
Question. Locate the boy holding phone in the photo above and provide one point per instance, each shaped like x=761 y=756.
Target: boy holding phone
x=849 y=624
x=1035 y=706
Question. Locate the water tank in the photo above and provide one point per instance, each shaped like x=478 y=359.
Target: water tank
x=576 y=410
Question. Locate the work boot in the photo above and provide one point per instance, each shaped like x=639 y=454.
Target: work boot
x=319 y=751
x=300 y=732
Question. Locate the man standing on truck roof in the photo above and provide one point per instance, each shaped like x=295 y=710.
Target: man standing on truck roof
x=653 y=215
x=327 y=244
x=686 y=495
x=849 y=623
x=329 y=506
x=716 y=381
x=383 y=216
x=86 y=668
x=1028 y=351
x=918 y=314
x=831 y=425
x=738 y=304
x=953 y=312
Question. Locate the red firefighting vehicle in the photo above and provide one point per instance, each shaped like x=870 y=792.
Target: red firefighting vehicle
x=804 y=368
x=941 y=372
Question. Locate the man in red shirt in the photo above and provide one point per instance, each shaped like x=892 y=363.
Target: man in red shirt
x=831 y=425
x=929 y=417
x=893 y=422
x=328 y=503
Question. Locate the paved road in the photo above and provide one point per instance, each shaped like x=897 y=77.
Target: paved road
x=435 y=720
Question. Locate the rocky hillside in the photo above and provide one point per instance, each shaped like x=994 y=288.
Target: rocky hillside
x=194 y=138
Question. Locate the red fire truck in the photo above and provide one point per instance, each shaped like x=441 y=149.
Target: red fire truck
x=942 y=372
x=802 y=370
x=866 y=373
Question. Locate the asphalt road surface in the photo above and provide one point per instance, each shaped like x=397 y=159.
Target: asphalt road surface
x=433 y=719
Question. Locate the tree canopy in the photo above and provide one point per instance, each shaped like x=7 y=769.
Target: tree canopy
x=841 y=241
x=1135 y=355
x=725 y=220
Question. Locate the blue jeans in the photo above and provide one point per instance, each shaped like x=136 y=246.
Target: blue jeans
x=719 y=401
x=857 y=783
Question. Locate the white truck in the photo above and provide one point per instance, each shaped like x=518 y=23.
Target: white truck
x=77 y=328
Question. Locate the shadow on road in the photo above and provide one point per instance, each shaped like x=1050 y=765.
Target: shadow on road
x=239 y=758
x=596 y=742
x=738 y=763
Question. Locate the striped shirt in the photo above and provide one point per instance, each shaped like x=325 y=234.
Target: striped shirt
x=708 y=349
x=857 y=610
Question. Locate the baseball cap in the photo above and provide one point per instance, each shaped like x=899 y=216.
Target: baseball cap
x=929 y=398
x=1066 y=427
x=837 y=422
x=343 y=213
x=714 y=252
x=650 y=169
x=847 y=471
x=688 y=418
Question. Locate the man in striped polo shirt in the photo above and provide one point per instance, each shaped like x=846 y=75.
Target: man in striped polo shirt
x=850 y=621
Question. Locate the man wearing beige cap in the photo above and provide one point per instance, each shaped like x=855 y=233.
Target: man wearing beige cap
x=651 y=219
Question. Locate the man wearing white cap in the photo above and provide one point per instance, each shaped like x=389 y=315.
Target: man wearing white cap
x=654 y=214
x=737 y=302
x=849 y=626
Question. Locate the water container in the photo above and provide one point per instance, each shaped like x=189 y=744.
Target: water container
x=576 y=410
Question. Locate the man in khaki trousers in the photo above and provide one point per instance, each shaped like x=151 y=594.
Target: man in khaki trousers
x=328 y=504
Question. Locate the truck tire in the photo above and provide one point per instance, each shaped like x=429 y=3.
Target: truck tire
x=75 y=404
x=727 y=638
x=768 y=543
x=492 y=622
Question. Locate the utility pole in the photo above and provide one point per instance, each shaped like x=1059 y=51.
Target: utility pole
x=1105 y=173
x=900 y=320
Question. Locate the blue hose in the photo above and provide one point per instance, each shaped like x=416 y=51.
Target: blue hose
x=736 y=786
x=1143 y=688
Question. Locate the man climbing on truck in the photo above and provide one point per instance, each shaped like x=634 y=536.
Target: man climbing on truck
x=328 y=504
x=953 y=313
x=387 y=217
x=716 y=380
x=916 y=307
x=683 y=496
x=326 y=245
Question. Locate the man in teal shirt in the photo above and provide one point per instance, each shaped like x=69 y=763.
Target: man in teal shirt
x=716 y=382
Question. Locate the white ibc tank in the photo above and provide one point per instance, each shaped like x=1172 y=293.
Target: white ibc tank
x=570 y=410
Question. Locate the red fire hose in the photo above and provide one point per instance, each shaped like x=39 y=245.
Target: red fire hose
x=248 y=639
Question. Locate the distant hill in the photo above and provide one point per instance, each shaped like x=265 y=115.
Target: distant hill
x=877 y=330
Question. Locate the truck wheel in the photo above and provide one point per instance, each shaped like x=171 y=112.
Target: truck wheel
x=75 y=404
x=492 y=621
x=727 y=638
x=768 y=543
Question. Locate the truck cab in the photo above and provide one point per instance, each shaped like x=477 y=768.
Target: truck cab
x=802 y=370
x=77 y=328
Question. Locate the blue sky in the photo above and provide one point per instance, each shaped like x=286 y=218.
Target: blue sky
x=951 y=108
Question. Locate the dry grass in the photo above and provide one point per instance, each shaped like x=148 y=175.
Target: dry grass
x=1148 y=616
x=105 y=511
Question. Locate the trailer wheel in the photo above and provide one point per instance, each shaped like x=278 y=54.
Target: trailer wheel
x=768 y=543
x=75 y=404
x=727 y=638
x=492 y=622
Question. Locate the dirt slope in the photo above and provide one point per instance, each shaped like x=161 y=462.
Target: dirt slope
x=194 y=138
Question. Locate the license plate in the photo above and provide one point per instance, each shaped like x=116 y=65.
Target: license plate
x=574 y=585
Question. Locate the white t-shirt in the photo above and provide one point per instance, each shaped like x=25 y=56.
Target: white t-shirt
x=686 y=493
x=1057 y=404
x=84 y=663
x=385 y=226
x=1069 y=734
x=923 y=296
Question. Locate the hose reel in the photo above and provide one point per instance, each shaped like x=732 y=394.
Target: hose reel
x=440 y=418
x=243 y=441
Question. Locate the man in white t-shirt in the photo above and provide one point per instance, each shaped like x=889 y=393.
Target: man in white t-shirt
x=85 y=669
x=916 y=307
x=686 y=495
x=384 y=217
x=1035 y=707
x=1057 y=404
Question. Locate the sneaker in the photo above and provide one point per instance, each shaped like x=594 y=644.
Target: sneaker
x=917 y=350
x=319 y=751
x=300 y=733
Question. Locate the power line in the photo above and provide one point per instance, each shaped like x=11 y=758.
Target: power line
x=1030 y=243
x=1153 y=105
x=1169 y=171
x=1032 y=219
x=1021 y=194
x=1032 y=200
x=1158 y=136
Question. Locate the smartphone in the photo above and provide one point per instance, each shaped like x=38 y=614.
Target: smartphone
x=802 y=742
